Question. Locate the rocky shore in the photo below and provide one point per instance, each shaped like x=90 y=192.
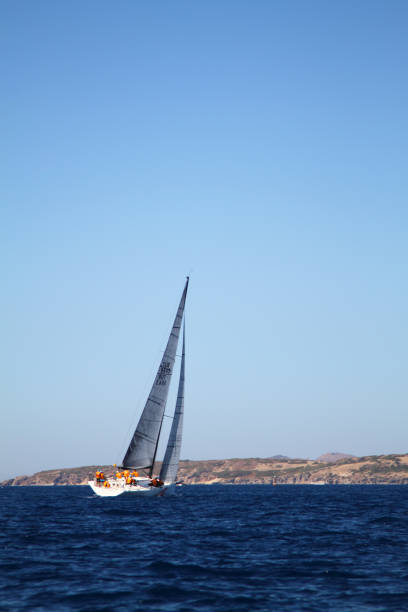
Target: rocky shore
x=374 y=469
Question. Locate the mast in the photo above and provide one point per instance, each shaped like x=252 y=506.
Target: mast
x=155 y=449
x=168 y=472
x=143 y=445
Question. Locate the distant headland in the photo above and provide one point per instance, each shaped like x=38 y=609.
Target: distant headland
x=330 y=468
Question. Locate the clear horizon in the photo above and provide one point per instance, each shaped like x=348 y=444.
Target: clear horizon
x=260 y=149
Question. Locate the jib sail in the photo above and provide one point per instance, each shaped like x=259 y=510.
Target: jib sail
x=168 y=472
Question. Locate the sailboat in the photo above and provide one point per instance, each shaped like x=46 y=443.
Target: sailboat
x=142 y=450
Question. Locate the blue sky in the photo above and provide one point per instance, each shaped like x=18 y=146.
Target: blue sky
x=260 y=147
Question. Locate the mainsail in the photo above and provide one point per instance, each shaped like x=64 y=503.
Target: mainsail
x=168 y=472
x=143 y=446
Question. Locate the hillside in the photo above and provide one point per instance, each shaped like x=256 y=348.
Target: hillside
x=375 y=469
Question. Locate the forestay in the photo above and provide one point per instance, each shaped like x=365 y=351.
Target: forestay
x=168 y=472
x=143 y=446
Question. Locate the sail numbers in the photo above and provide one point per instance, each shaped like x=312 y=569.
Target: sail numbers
x=164 y=370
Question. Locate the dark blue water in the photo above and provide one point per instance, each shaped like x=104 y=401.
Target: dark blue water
x=225 y=548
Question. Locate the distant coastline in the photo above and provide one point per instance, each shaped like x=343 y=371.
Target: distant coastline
x=332 y=468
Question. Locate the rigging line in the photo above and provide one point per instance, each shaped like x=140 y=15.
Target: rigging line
x=137 y=409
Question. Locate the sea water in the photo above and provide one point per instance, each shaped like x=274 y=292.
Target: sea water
x=224 y=548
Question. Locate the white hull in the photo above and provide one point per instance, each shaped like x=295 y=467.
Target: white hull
x=141 y=489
